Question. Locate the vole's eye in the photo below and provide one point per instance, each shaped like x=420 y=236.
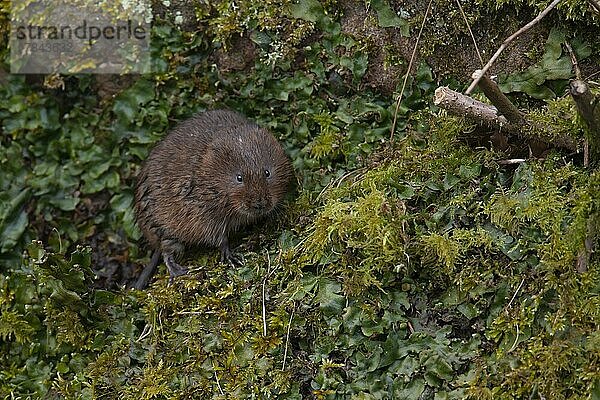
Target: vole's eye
x=239 y=178
x=267 y=173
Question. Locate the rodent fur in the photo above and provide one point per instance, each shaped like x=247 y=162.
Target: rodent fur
x=189 y=190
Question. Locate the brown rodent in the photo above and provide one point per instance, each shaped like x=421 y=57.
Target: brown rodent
x=211 y=175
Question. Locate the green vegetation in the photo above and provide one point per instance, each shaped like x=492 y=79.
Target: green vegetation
x=554 y=69
x=417 y=268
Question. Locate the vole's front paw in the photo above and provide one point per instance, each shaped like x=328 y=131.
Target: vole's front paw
x=228 y=257
x=175 y=269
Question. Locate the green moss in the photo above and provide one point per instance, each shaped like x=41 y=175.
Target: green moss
x=418 y=268
x=277 y=25
x=573 y=9
x=535 y=225
x=14 y=327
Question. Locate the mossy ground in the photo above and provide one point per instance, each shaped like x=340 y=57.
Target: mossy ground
x=418 y=268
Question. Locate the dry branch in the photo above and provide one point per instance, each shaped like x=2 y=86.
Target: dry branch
x=590 y=112
x=574 y=61
x=595 y=4
x=483 y=114
x=500 y=101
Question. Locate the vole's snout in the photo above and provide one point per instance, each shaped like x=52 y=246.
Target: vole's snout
x=260 y=205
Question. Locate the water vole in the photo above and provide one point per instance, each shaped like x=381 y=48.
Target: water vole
x=211 y=175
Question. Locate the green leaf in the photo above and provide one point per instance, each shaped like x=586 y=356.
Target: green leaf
x=390 y=351
x=408 y=367
x=450 y=181
x=439 y=367
x=404 y=191
x=108 y=180
x=412 y=390
x=261 y=38
x=387 y=18
x=469 y=171
x=370 y=361
x=330 y=302
x=308 y=10
x=49 y=118
x=122 y=202
x=352 y=318
x=551 y=67
x=66 y=203
x=128 y=103
x=468 y=310
x=370 y=328
x=13 y=220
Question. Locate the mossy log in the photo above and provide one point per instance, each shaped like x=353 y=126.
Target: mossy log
x=488 y=116
x=589 y=110
x=587 y=106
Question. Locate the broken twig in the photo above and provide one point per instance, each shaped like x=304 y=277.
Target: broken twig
x=483 y=114
x=487 y=116
x=500 y=101
x=595 y=4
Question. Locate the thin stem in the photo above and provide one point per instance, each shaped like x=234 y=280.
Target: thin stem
x=412 y=59
x=470 y=31
x=512 y=37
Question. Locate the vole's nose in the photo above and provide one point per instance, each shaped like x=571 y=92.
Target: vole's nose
x=260 y=204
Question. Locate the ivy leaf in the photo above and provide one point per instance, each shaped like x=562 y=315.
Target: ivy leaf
x=49 y=118
x=450 y=181
x=369 y=362
x=551 y=67
x=390 y=350
x=63 y=295
x=440 y=367
x=64 y=202
x=108 y=180
x=308 y=10
x=370 y=328
x=387 y=18
x=468 y=310
x=469 y=171
x=127 y=104
x=261 y=38
x=122 y=204
x=352 y=318
x=13 y=220
x=412 y=390
x=408 y=367
x=330 y=302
